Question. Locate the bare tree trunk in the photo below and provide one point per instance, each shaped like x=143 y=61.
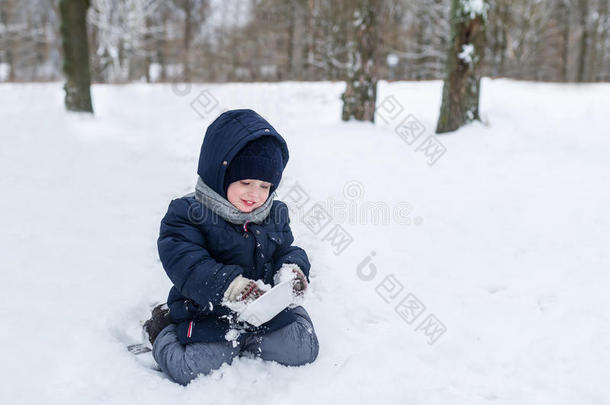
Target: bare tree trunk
x=565 y=53
x=584 y=38
x=148 y=50
x=291 y=28
x=419 y=64
x=603 y=38
x=498 y=46
x=161 y=45
x=11 y=65
x=308 y=50
x=592 y=57
x=186 y=73
x=7 y=41
x=505 y=16
x=76 y=54
x=361 y=90
x=462 y=84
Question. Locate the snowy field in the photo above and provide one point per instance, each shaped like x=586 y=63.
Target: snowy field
x=488 y=284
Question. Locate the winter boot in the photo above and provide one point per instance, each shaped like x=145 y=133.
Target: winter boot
x=160 y=319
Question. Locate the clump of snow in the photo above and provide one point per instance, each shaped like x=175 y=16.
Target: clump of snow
x=467 y=54
x=474 y=8
x=470 y=115
x=5 y=70
x=285 y=273
x=392 y=59
x=154 y=71
x=232 y=335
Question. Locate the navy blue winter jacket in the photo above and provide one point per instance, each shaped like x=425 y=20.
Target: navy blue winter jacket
x=202 y=253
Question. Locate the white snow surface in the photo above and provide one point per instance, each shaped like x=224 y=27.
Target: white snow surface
x=506 y=244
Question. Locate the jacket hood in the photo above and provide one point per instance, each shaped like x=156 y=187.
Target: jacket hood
x=225 y=137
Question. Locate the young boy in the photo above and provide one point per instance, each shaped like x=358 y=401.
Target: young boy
x=218 y=245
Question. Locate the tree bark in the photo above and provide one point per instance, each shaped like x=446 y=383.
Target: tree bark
x=309 y=48
x=290 y=45
x=584 y=39
x=601 y=66
x=361 y=88
x=186 y=72
x=460 y=103
x=76 y=54
x=565 y=19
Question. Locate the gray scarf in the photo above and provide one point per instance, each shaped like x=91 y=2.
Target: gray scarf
x=227 y=211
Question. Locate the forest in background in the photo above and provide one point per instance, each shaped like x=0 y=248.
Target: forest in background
x=304 y=40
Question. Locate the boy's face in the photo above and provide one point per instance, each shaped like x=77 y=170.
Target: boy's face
x=247 y=195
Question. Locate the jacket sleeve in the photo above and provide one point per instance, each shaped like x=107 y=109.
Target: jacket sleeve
x=186 y=261
x=286 y=253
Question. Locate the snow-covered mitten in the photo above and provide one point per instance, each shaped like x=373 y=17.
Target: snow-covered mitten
x=300 y=282
x=291 y=271
x=242 y=289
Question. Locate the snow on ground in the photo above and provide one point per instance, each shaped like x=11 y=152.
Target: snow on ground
x=506 y=245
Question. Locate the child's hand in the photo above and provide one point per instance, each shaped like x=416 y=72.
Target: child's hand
x=251 y=292
x=243 y=289
x=300 y=282
x=291 y=271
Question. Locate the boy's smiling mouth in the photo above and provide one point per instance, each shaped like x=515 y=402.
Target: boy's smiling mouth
x=248 y=203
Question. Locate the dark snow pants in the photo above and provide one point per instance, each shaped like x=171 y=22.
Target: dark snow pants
x=293 y=345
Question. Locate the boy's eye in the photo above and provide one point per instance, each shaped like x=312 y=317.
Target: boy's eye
x=264 y=186
x=245 y=183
